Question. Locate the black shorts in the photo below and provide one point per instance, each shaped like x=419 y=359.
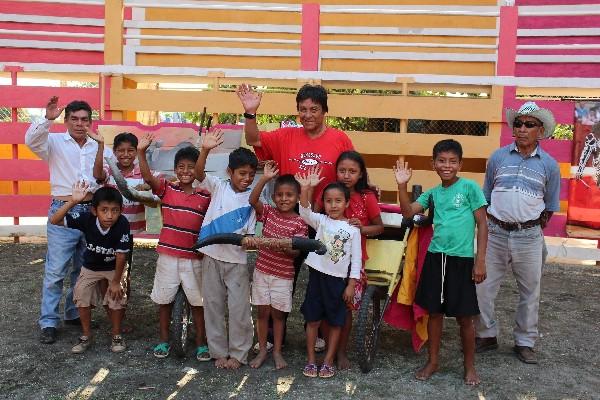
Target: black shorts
x=459 y=294
x=324 y=298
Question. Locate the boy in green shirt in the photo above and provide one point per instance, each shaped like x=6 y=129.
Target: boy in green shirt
x=450 y=272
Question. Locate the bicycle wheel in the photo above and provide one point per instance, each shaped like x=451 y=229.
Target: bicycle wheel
x=181 y=319
x=367 y=328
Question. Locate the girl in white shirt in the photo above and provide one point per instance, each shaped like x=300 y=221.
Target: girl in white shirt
x=332 y=276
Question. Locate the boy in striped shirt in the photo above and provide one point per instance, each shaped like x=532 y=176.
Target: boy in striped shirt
x=273 y=279
x=183 y=208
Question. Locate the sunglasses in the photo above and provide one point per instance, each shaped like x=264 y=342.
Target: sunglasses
x=528 y=124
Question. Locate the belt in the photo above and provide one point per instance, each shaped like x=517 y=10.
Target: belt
x=515 y=226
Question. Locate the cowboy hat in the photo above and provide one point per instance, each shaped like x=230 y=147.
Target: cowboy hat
x=531 y=109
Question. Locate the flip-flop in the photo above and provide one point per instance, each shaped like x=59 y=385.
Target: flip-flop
x=326 y=371
x=202 y=354
x=161 y=350
x=310 y=370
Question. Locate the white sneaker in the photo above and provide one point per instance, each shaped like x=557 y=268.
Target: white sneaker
x=256 y=348
x=118 y=344
x=83 y=342
x=320 y=345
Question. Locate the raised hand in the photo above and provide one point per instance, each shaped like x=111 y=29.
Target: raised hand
x=402 y=172
x=80 y=190
x=53 y=111
x=145 y=141
x=212 y=139
x=94 y=135
x=314 y=175
x=271 y=170
x=249 y=98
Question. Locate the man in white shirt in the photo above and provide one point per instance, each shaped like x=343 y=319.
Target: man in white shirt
x=70 y=158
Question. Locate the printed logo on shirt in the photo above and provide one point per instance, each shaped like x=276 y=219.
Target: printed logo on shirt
x=336 y=243
x=125 y=238
x=309 y=159
x=459 y=200
x=75 y=215
x=100 y=249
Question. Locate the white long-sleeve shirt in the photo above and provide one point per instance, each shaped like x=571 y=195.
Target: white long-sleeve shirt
x=343 y=245
x=67 y=161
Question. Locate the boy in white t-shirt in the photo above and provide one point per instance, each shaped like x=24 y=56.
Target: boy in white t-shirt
x=225 y=279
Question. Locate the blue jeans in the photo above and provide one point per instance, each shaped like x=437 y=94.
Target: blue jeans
x=65 y=248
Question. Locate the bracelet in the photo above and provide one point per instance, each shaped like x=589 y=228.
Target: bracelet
x=249 y=116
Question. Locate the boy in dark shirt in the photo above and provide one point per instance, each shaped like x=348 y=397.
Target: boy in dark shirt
x=108 y=242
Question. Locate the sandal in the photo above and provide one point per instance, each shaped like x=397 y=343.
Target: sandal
x=326 y=371
x=161 y=350
x=202 y=354
x=310 y=370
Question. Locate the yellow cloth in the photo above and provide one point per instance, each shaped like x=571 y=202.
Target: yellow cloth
x=408 y=284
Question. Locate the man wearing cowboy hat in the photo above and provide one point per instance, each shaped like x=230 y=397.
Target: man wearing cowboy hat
x=522 y=184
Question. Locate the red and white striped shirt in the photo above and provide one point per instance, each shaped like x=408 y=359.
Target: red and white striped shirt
x=277 y=225
x=182 y=216
x=134 y=211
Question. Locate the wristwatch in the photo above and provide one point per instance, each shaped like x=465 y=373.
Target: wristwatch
x=249 y=116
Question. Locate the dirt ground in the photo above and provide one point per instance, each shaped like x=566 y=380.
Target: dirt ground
x=569 y=350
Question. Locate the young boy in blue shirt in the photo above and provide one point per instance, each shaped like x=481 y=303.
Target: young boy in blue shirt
x=225 y=279
x=449 y=275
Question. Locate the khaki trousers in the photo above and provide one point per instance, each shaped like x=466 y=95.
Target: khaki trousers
x=226 y=290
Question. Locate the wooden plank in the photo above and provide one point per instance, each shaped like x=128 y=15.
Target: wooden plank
x=14 y=132
x=384 y=178
x=436 y=108
x=419 y=144
x=22 y=230
x=37 y=96
x=24 y=206
x=24 y=170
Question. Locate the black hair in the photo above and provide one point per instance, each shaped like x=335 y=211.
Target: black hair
x=188 y=153
x=447 y=145
x=287 y=179
x=107 y=194
x=362 y=185
x=125 y=137
x=78 y=105
x=316 y=93
x=339 y=186
x=241 y=157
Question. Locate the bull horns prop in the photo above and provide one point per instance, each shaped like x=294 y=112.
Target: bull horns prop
x=252 y=243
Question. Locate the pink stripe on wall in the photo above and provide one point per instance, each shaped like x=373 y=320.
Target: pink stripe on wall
x=507 y=41
x=558 y=40
x=580 y=52
x=51 y=56
x=564 y=189
x=561 y=70
x=55 y=10
x=569 y=21
x=309 y=48
x=561 y=150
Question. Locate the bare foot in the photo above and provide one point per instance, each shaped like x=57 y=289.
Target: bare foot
x=232 y=363
x=221 y=362
x=279 y=361
x=342 y=360
x=471 y=377
x=425 y=373
x=259 y=359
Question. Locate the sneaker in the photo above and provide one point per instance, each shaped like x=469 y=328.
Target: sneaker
x=82 y=345
x=118 y=344
x=320 y=345
x=256 y=348
x=48 y=335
